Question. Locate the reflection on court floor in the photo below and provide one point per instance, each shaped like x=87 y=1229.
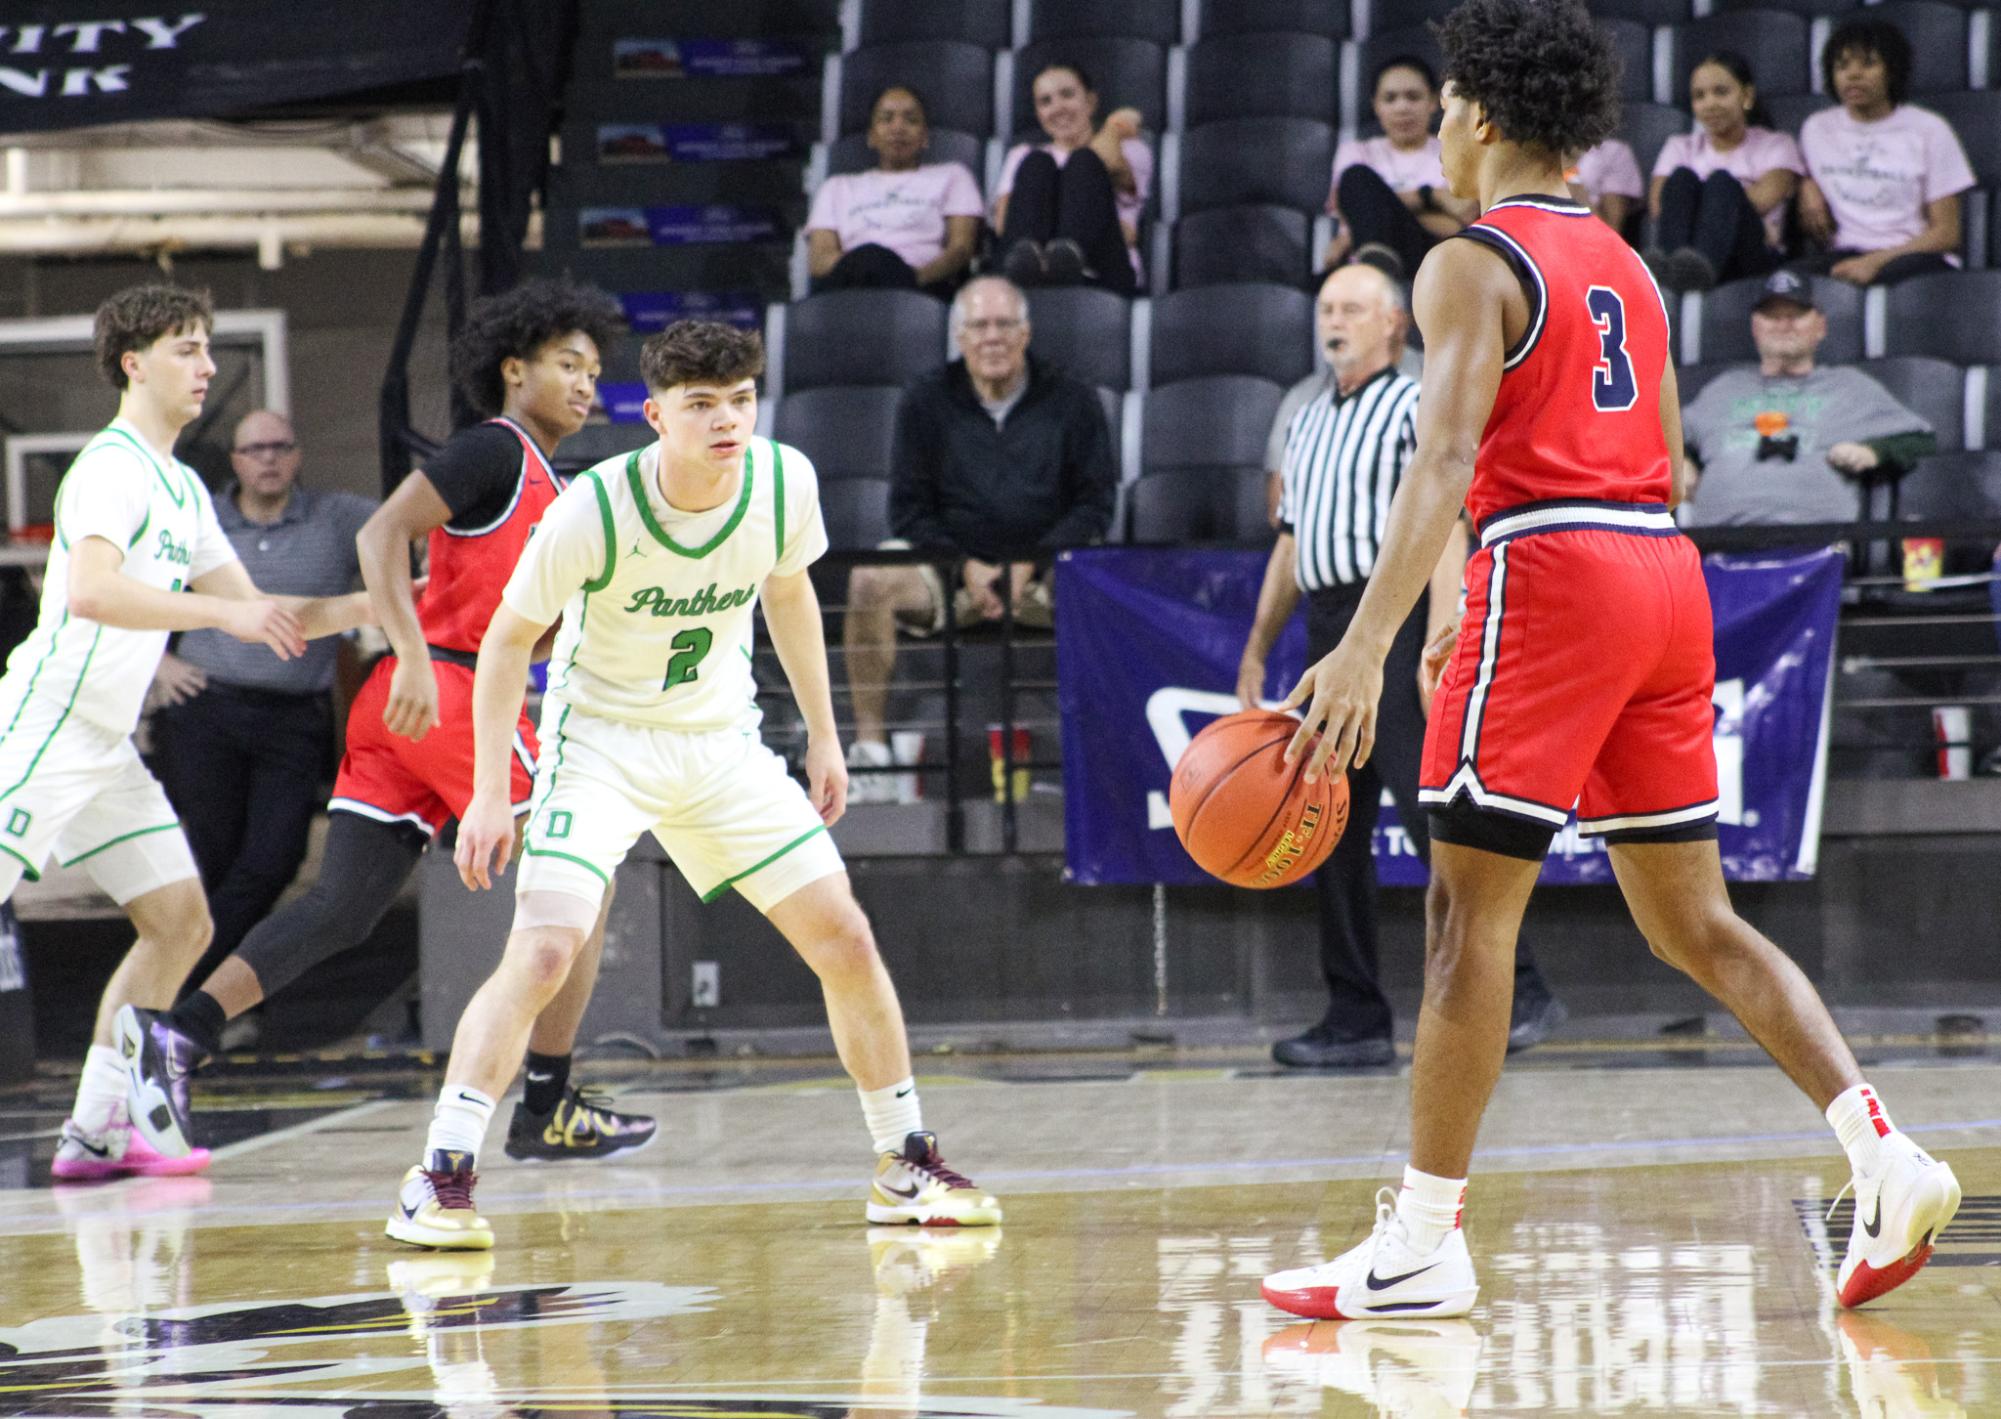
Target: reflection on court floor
x=1649 y=1242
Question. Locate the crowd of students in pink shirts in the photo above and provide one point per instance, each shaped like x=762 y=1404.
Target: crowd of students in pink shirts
x=1868 y=192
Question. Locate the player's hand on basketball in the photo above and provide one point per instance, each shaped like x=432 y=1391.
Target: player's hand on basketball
x=412 y=708
x=1250 y=681
x=827 y=779
x=261 y=621
x=486 y=839
x=1437 y=655
x=1340 y=693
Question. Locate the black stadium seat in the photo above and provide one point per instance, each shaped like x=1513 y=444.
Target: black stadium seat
x=1295 y=78
x=956 y=79
x=1223 y=504
x=1242 y=328
x=1933 y=389
x=1976 y=118
x=1726 y=320
x=1775 y=42
x=856 y=511
x=1937 y=33
x=1129 y=73
x=1322 y=17
x=1955 y=315
x=1283 y=161
x=1155 y=20
x=1689 y=379
x=1811 y=9
x=1647 y=126
x=984 y=22
x=1647 y=12
x=1789 y=111
x=847 y=430
x=1085 y=331
x=1218 y=420
x=947 y=145
x=1258 y=243
x=862 y=337
x=1633 y=42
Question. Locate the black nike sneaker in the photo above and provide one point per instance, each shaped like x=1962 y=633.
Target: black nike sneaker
x=582 y=1125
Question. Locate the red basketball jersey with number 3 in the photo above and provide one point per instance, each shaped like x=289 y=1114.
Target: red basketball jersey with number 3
x=1583 y=418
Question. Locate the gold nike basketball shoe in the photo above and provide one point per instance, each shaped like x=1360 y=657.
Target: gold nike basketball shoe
x=915 y=1188
x=434 y=1207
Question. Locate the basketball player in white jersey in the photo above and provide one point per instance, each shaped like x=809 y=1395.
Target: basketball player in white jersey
x=654 y=562
x=138 y=553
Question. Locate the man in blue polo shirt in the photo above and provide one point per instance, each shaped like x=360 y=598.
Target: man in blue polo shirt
x=243 y=740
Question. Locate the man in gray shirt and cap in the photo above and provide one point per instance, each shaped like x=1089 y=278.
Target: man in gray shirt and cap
x=1787 y=441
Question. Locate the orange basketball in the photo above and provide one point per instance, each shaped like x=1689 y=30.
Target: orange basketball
x=1247 y=816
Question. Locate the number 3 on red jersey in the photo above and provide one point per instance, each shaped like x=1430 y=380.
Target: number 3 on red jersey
x=1613 y=388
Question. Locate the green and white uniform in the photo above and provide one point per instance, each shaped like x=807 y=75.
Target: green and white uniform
x=650 y=721
x=71 y=782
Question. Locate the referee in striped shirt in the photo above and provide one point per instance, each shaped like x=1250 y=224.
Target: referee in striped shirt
x=1345 y=447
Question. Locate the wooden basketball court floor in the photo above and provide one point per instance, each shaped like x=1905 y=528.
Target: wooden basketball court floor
x=1649 y=1229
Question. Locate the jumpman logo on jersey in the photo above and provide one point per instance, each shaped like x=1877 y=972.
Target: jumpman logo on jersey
x=636 y=551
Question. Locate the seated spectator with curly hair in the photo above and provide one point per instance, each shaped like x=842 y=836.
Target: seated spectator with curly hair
x=1883 y=176
x=1388 y=200
x=1719 y=194
x=1069 y=210
x=905 y=222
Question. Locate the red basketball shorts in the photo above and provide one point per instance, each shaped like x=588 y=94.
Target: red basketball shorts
x=425 y=782
x=1582 y=678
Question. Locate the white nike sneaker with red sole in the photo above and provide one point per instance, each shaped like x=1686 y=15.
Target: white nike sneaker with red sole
x=1899 y=1211
x=1381 y=1277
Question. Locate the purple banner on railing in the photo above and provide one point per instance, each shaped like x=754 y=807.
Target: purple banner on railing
x=648 y=311
x=1147 y=649
x=694 y=142
x=709 y=58
x=677 y=226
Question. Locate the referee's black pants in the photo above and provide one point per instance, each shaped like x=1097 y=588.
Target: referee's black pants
x=1357 y=1007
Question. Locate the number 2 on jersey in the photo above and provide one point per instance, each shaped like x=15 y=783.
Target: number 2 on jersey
x=1613 y=388
x=689 y=648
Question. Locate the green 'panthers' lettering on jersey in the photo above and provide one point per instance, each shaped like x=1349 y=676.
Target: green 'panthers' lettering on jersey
x=703 y=603
x=172 y=551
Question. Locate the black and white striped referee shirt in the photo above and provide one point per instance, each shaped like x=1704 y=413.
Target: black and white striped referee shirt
x=1343 y=458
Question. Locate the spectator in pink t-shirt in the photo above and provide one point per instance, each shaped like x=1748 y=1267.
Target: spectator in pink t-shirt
x=1607 y=180
x=1883 y=176
x=1068 y=210
x=905 y=223
x=1389 y=200
x=1719 y=194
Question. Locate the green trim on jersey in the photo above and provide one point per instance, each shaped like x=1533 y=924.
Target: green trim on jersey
x=122 y=837
x=27 y=867
x=179 y=496
x=592 y=867
x=610 y=532
x=727 y=883
x=61 y=719
x=660 y=535
x=778 y=498
x=542 y=791
x=34 y=675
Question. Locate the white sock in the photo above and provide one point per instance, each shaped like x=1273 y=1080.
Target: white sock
x=892 y=1114
x=1861 y=1123
x=1429 y=1208
x=100 y=1093
x=460 y=1123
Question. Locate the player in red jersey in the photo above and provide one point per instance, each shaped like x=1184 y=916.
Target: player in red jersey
x=530 y=360
x=1582 y=675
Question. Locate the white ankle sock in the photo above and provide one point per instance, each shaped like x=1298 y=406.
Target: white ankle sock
x=892 y=1114
x=460 y=1123
x=100 y=1093
x=1861 y=1123
x=1429 y=1208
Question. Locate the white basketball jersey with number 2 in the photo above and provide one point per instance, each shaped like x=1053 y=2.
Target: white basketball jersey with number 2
x=656 y=603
